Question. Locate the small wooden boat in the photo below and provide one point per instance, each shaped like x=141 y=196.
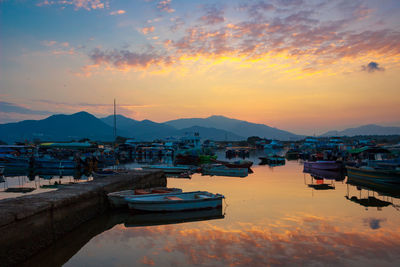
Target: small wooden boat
x=117 y=199
x=324 y=165
x=221 y=170
x=176 y=202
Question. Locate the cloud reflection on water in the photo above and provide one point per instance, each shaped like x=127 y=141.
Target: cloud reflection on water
x=295 y=240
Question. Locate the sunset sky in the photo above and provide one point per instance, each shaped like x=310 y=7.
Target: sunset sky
x=298 y=65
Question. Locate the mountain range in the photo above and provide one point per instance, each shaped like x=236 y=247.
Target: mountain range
x=219 y=128
x=370 y=129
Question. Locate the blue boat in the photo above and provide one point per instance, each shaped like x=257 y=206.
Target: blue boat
x=374 y=175
x=14 y=162
x=51 y=163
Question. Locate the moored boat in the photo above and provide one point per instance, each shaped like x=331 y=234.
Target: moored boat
x=14 y=162
x=235 y=164
x=221 y=170
x=176 y=201
x=323 y=165
x=336 y=175
x=49 y=163
x=117 y=199
x=374 y=175
x=168 y=169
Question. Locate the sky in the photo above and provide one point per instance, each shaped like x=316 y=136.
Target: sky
x=306 y=66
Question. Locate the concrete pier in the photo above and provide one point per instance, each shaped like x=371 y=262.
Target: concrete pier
x=31 y=223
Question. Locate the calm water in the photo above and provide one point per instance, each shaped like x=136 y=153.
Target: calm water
x=271 y=217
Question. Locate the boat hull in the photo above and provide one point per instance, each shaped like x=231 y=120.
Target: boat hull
x=149 y=203
x=323 y=165
x=325 y=174
x=374 y=175
x=117 y=199
x=225 y=171
x=55 y=164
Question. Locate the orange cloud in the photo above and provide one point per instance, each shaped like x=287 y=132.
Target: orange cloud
x=165 y=6
x=78 y=4
x=147 y=30
x=118 y=12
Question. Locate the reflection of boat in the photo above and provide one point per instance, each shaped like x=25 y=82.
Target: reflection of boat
x=323 y=165
x=221 y=170
x=117 y=199
x=387 y=193
x=370 y=201
x=273 y=159
x=325 y=174
x=151 y=219
x=320 y=185
x=374 y=176
x=176 y=202
x=382 y=189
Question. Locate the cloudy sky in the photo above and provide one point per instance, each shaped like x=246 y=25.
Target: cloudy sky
x=299 y=65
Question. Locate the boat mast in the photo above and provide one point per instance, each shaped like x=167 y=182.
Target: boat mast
x=115 y=122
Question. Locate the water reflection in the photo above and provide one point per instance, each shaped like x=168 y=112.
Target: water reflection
x=60 y=252
x=18 y=181
x=372 y=195
x=272 y=220
x=313 y=241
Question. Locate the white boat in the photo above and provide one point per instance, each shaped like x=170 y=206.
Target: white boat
x=176 y=202
x=221 y=170
x=117 y=199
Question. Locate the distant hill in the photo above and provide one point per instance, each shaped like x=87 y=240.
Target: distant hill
x=145 y=130
x=238 y=127
x=370 y=129
x=57 y=127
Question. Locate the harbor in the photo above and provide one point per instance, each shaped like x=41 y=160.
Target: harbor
x=294 y=189
x=199 y=133
x=270 y=212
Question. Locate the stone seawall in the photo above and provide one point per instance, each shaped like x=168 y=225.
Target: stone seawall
x=31 y=223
